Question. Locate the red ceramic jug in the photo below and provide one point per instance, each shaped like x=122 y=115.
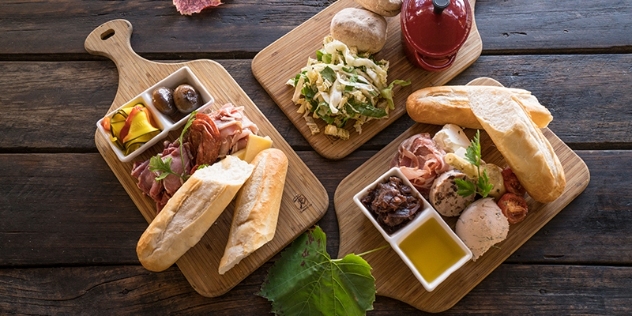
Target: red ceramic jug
x=434 y=30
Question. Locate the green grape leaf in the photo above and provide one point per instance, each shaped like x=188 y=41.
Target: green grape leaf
x=306 y=281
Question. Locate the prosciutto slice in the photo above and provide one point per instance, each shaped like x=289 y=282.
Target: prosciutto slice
x=421 y=161
x=188 y=7
x=234 y=128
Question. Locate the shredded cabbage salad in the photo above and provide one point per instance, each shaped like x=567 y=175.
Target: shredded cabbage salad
x=340 y=85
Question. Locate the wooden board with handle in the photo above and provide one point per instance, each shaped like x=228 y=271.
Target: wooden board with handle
x=358 y=235
x=304 y=201
x=284 y=58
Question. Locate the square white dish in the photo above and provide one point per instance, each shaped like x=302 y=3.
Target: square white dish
x=165 y=122
x=425 y=218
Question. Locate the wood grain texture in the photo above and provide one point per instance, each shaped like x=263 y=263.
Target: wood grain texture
x=506 y=26
x=95 y=233
x=68 y=229
x=584 y=92
x=357 y=235
x=304 y=199
x=100 y=225
x=126 y=290
x=284 y=58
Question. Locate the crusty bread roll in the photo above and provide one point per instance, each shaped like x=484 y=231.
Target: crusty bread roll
x=522 y=144
x=256 y=208
x=190 y=212
x=386 y=8
x=451 y=104
x=359 y=28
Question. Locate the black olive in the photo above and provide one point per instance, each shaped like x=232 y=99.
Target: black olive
x=186 y=98
x=163 y=100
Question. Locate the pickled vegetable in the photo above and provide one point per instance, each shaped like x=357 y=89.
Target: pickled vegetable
x=131 y=127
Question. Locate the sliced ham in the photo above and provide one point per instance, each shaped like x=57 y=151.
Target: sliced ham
x=421 y=161
x=234 y=128
x=210 y=137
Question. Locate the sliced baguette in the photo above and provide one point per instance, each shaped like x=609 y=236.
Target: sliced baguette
x=190 y=212
x=451 y=104
x=256 y=208
x=519 y=140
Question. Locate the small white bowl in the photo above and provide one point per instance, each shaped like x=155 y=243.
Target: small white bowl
x=445 y=241
x=165 y=122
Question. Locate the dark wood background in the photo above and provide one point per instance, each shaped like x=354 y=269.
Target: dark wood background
x=68 y=230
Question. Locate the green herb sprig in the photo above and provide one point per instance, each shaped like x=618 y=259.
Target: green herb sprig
x=163 y=168
x=482 y=185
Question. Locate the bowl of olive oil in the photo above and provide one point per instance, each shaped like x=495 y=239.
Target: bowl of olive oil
x=427 y=245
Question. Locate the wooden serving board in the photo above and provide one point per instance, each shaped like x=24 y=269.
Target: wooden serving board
x=304 y=202
x=284 y=58
x=358 y=235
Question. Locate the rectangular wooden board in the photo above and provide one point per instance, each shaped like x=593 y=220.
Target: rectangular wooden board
x=284 y=58
x=393 y=278
x=304 y=201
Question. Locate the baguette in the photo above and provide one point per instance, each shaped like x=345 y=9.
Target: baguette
x=451 y=104
x=190 y=212
x=256 y=208
x=522 y=144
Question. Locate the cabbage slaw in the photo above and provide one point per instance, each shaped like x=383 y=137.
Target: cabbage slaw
x=340 y=85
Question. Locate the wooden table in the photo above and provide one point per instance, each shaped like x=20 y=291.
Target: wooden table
x=68 y=230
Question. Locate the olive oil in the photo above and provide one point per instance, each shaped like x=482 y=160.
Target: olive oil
x=431 y=249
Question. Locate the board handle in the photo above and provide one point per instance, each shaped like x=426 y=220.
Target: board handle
x=112 y=40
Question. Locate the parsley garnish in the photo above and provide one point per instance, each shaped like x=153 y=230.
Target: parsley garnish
x=163 y=168
x=482 y=186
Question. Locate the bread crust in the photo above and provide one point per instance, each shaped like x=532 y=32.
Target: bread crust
x=451 y=104
x=525 y=149
x=387 y=8
x=256 y=208
x=359 y=28
x=190 y=213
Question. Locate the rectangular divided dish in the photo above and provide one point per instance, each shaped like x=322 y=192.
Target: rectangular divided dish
x=164 y=122
x=427 y=245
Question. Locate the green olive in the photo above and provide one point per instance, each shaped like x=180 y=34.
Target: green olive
x=186 y=98
x=163 y=100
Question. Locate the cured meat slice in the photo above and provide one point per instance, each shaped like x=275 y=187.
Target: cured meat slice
x=421 y=161
x=188 y=7
x=205 y=138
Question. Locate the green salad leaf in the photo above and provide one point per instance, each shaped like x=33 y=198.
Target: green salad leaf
x=306 y=281
x=332 y=86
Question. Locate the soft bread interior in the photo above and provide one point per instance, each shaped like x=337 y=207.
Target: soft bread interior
x=190 y=213
x=256 y=208
x=525 y=149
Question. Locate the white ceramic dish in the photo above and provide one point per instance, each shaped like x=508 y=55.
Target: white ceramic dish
x=427 y=213
x=164 y=122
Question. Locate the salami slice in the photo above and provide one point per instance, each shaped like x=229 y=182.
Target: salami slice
x=188 y=7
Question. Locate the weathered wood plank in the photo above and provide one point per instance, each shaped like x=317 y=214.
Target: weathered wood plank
x=131 y=290
x=586 y=94
x=69 y=209
x=242 y=28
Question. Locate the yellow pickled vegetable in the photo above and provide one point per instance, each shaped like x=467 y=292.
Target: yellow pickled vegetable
x=131 y=127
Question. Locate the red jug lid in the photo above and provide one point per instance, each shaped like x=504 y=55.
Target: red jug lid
x=436 y=28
